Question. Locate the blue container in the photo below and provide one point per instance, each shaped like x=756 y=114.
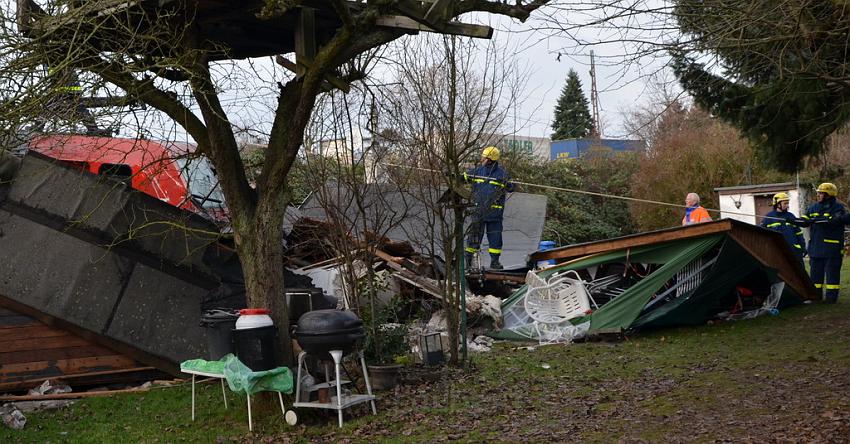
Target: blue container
x=546 y=245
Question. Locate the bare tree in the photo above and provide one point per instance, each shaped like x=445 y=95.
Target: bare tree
x=447 y=104
x=168 y=55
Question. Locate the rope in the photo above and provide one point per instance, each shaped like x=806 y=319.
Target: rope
x=591 y=193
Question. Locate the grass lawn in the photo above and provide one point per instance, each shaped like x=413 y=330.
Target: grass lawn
x=784 y=378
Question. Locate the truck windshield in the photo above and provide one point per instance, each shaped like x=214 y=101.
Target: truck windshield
x=201 y=181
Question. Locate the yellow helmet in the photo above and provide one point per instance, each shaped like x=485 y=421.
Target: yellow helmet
x=781 y=197
x=828 y=188
x=491 y=152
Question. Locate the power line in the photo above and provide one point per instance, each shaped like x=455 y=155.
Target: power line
x=605 y=195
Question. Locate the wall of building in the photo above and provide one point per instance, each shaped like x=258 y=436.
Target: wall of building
x=538 y=147
x=576 y=148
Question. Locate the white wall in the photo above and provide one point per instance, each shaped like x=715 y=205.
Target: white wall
x=727 y=207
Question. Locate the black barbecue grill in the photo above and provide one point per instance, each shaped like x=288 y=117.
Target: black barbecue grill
x=320 y=331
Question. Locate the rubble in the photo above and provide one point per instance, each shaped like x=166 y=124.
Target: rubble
x=13 y=418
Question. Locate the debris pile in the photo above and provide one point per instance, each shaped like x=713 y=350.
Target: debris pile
x=687 y=278
x=396 y=273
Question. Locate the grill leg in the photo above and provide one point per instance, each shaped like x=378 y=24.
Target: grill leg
x=337 y=357
x=368 y=384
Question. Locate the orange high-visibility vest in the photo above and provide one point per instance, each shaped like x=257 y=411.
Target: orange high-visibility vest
x=698 y=216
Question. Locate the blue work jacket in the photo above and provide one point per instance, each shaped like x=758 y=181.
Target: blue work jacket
x=826 y=233
x=790 y=231
x=490 y=184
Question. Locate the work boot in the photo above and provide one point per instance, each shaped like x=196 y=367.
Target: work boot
x=494 y=262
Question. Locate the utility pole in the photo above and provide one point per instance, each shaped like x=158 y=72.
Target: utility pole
x=596 y=132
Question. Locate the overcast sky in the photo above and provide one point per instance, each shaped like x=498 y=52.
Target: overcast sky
x=556 y=39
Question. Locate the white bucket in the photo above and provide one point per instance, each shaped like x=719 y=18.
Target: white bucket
x=253 y=318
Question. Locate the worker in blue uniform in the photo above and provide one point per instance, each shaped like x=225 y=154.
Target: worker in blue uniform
x=490 y=184
x=826 y=219
x=784 y=222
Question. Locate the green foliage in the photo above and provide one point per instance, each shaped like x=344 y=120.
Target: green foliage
x=782 y=77
x=574 y=218
x=572 y=116
x=386 y=338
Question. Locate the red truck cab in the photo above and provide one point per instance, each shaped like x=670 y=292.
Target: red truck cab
x=171 y=172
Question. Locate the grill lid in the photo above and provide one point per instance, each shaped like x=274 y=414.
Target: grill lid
x=327 y=322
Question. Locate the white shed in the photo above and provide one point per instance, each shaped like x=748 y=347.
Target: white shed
x=744 y=202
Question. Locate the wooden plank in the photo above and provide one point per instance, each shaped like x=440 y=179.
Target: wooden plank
x=13 y=398
x=89 y=378
x=165 y=365
x=7 y=312
x=454 y=28
x=53 y=354
x=40 y=344
x=636 y=240
x=29 y=370
x=490 y=276
x=29 y=331
x=16 y=321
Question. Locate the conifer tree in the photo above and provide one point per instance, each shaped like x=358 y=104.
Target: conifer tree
x=572 y=116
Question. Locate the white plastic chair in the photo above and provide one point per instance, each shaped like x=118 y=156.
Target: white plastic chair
x=557 y=300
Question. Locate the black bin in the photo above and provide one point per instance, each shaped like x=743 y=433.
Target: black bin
x=255 y=347
x=219 y=323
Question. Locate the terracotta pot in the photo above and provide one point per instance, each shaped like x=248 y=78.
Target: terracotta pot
x=384 y=377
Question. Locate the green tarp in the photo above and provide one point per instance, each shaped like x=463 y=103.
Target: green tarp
x=714 y=294
x=621 y=312
x=242 y=379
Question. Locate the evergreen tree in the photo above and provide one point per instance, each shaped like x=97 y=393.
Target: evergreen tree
x=572 y=116
x=780 y=76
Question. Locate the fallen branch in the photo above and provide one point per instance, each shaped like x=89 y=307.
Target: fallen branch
x=12 y=398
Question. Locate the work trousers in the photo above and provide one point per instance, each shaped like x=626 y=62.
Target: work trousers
x=831 y=268
x=494 y=236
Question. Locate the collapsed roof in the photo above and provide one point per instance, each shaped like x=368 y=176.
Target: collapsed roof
x=92 y=256
x=681 y=276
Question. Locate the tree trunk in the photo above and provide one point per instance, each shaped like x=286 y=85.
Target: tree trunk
x=260 y=248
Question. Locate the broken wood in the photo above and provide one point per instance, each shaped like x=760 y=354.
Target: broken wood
x=13 y=398
x=491 y=276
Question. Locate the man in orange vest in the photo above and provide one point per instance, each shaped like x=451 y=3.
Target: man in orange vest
x=694 y=213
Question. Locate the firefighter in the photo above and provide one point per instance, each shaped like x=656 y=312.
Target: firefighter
x=694 y=212
x=490 y=184
x=826 y=219
x=783 y=221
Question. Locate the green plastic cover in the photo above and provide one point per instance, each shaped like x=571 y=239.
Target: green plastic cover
x=622 y=312
x=242 y=379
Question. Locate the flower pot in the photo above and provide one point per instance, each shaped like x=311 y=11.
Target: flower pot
x=384 y=377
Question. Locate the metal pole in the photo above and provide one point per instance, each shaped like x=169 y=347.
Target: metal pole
x=462 y=285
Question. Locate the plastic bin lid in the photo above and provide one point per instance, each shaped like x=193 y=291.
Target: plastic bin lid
x=254 y=311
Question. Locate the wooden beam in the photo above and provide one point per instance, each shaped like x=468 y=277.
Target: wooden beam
x=455 y=28
x=305 y=40
x=330 y=81
x=491 y=276
x=632 y=241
